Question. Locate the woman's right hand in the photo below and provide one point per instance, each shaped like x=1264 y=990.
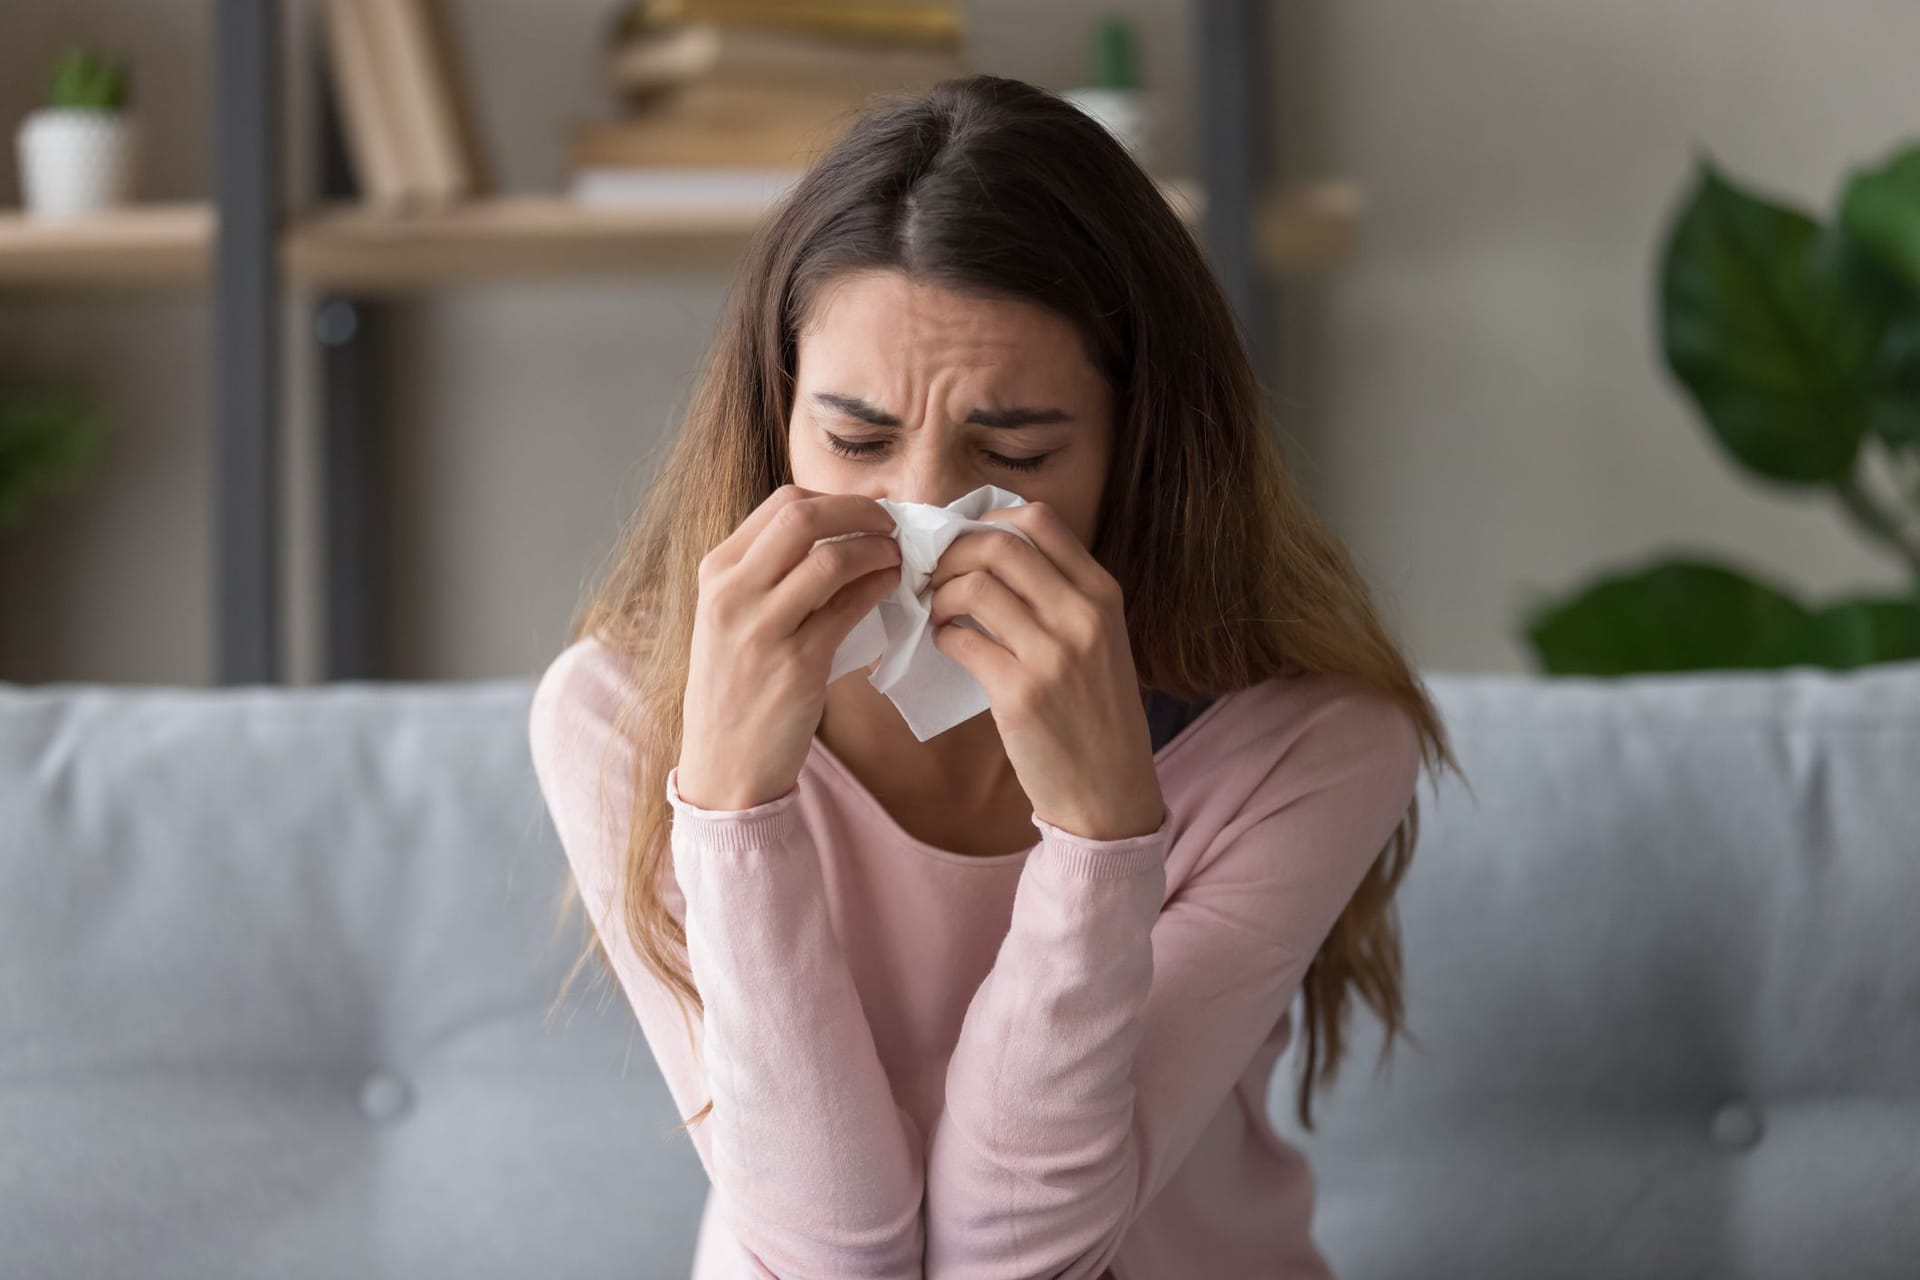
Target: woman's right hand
x=775 y=603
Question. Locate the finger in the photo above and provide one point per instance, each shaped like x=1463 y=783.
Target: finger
x=790 y=533
x=822 y=632
x=1057 y=541
x=985 y=661
x=1023 y=568
x=732 y=548
x=989 y=602
x=778 y=533
x=826 y=570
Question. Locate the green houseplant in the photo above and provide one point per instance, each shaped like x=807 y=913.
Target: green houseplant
x=1798 y=341
x=77 y=152
x=49 y=437
x=87 y=79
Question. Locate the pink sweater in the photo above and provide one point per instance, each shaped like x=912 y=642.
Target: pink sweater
x=1047 y=1063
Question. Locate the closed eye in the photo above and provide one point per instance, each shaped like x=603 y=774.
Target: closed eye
x=870 y=448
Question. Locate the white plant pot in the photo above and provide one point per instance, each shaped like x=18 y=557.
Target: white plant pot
x=75 y=160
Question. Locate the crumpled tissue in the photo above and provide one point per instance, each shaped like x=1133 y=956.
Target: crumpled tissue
x=931 y=690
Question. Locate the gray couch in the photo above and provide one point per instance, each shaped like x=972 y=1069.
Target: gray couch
x=275 y=964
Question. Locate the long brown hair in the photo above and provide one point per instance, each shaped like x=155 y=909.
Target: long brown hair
x=994 y=186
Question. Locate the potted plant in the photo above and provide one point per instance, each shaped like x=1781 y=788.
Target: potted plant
x=77 y=152
x=1798 y=340
x=50 y=436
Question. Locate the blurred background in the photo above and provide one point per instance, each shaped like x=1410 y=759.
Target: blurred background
x=1572 y=404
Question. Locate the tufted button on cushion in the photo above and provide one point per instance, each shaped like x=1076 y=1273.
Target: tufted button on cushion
x=384 y=1095
x=1736 y=1126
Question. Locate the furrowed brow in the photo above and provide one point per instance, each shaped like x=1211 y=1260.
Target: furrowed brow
x=1003 y=419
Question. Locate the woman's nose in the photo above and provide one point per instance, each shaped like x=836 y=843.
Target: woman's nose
x=936 y=490
x=932 y=471
x=932 y=498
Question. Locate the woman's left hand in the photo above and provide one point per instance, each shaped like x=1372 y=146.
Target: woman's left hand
x=1061 y=682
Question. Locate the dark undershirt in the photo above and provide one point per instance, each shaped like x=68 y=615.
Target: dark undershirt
x=1168 y=715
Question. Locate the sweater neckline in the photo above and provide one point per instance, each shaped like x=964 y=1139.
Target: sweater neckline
x=818 y=751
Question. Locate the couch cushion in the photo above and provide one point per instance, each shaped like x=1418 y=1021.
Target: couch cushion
x=275 y=967
x=1664 y=966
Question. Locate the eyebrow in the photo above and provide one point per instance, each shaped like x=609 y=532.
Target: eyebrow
x=855 y=407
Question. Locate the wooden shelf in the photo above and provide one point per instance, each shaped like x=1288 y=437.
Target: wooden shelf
x=144 y=246
x=358 y=248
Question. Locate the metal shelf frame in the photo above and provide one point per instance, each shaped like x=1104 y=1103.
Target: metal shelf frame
x=1233 y=115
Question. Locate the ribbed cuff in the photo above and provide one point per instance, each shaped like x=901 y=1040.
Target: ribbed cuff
x=1092 y=859
x=763 y=826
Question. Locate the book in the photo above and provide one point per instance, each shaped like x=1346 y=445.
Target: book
x=707 y=188
x=418 y=101
x=410 y=132
x=457 y=86
x=929 y=23
x=373 y=149
x=757 y=56
x=717 y=125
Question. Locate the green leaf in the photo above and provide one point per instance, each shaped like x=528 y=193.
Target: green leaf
x=1858 y=633
x=1893 y=410
x=48 y=439
x=86 y=79
x=1687 y=615
x=1699 y=615
x=1880 y=211
x=1766 y=324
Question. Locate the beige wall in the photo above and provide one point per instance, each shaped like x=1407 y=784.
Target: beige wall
x=1476 y=405
x=1484 y=405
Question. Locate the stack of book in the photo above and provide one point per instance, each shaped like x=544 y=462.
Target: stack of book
x=404 y=109
x=727 y=101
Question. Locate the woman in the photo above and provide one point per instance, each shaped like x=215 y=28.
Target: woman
x=910 y=1039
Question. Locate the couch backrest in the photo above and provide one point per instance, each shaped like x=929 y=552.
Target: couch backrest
x=275 y=967
x=1665 y=969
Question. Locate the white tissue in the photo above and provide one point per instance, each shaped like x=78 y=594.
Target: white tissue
x=932 y=691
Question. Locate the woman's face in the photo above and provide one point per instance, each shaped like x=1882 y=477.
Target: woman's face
x=939 y=393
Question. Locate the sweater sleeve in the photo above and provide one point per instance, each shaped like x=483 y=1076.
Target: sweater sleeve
x=1116 y=1021
x=818 y=1171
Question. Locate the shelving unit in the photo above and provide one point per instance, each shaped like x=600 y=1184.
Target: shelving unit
x=345 y=245
x=356 y=261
